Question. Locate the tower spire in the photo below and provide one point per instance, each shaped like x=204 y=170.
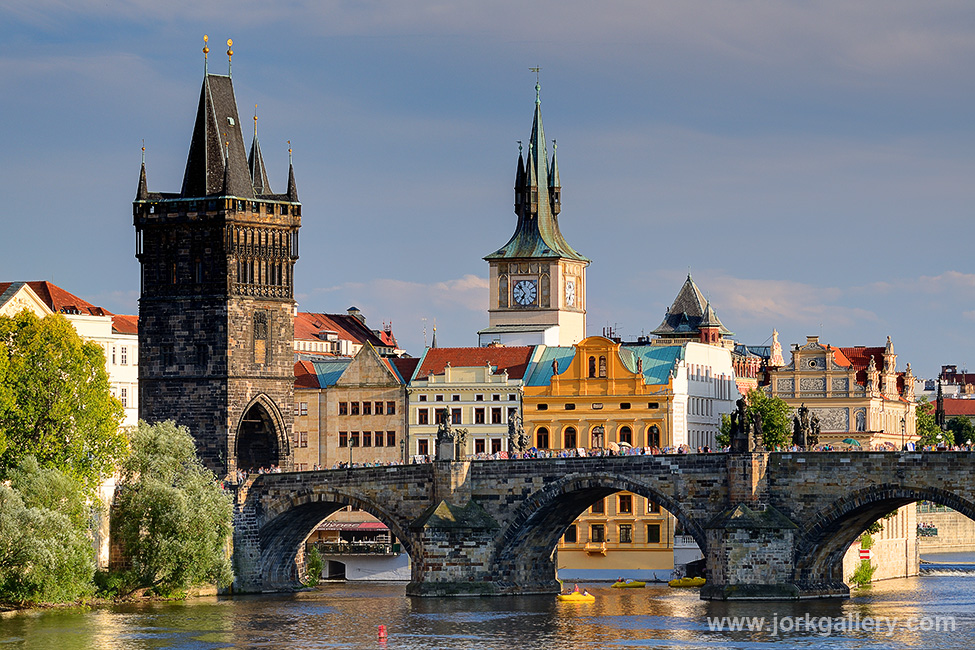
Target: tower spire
x=292 y=187
x=142 y=193
x=255 y=161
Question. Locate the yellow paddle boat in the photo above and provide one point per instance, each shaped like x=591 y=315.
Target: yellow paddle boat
x=686 y=582
x=629 y=584
x=577 y=597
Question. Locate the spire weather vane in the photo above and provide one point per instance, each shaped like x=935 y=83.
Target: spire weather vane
x=206 y=52
x=230 y=55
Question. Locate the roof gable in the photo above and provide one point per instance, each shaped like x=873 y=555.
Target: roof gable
x=368 y=367
x=514 y=360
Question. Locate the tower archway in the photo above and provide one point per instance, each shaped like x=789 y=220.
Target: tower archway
x=260 y=440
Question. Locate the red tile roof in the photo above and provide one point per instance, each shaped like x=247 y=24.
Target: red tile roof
x=347 y=328
x=60 y=301
x=514 y=360
x=305 y=375
x=956 y=407
x=123 y=324
x=859 y=358
x=405 y=365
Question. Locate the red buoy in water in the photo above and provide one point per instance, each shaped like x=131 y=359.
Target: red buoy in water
x=382 y=632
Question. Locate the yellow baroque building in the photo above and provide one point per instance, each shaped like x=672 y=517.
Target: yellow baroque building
x=595 y=396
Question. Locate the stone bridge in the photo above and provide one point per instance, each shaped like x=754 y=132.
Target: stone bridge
x=772 y=526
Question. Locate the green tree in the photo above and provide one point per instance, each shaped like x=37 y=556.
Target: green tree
x=926 y=427
x=959 y=430
x=776 y=417
x=724 y=431
x=45 y=550
x=170 y=515
x=55 y=402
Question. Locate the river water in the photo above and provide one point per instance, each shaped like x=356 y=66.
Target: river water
x=348 y=616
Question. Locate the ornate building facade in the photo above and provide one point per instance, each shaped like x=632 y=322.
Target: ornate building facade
x=216 y=310
x=537 y=280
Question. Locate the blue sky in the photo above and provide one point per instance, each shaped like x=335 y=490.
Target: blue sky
x=810 y=163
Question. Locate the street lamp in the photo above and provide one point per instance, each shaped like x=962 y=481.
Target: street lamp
x=903 y=429
x=402 y=449
x=353 y=441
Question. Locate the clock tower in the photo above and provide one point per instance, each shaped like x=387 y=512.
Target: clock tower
x=538 y=281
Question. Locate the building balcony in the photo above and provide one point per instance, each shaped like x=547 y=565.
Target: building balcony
x=596 y=548
x=356 y=548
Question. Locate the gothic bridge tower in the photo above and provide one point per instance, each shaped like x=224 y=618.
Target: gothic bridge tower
x=216 y=310
x=537 y=280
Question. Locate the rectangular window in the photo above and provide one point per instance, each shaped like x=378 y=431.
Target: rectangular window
x=495 y=398
x=653 y=405
x=653 y=508
x=304 y=408
x=570 y=407
x=653 y=533
x=423 y=398
x=496 y=415
x=512 y=397
x=423 y=447
x=367 y=408
x=390 y=408
x=379 y=408
x=625 y=504
x=479 y=415
x=343 y=408
x=354 y=408
x=422 y=416
x=455 y=416
x=438 y=398
x=304 y=439
x=495 y=445
x=455 y=398
x=570 y=534
x=626 y=533
x=625 y=405
x=479 y=398
x=479 y=446
x=438 y=416
x=390 y=438
x=297 y=408
x=542 y=407
x=125 y=398
x=354 y=438
x=125 y=356
x=113 y=355
x=367 y=439
x=599 y=507
x=597 y=533
x=343 y=439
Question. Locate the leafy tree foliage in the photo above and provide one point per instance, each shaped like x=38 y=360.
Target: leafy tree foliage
x=927 y=429
x=55 y=402
x=959 y=430
x=45 y=550
x=170 y=516
x=776 y=418
x=724 y=431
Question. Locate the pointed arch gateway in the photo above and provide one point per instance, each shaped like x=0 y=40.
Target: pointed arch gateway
x=262 y=439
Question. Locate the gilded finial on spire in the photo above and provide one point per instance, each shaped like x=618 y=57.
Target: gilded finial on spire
x=206 y=51
x=538 y=86
x=143 y=151
x=555 y=145
x=230 y=55
x=519 y=147
x=290 y=160
x=226 y=145
x=255 y=120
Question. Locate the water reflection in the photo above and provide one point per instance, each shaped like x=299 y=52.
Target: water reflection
x=348 y=616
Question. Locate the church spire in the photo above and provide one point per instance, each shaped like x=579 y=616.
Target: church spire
x=255 y=161
x=537 y=232
x=292 y=187
x=142 y=193
x=554 y=184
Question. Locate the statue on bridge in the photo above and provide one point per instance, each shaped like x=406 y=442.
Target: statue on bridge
x=517 y=440
x=758 y=435
x=798 y=435
x=739 y=428
x=445 y=436
x=814 y=430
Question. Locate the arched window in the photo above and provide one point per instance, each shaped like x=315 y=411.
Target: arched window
x=626 y=435
x=541 y=438
x=602 y=366
x=592 y=366
x=570 y=438
x=653 y=436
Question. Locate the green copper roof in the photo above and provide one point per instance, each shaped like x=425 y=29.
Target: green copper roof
x=537 y=234
x=658 y=360
x=540 y=373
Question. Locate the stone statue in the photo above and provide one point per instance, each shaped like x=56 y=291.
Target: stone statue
x=798 y=436
x=814 y=430
x=516 y=433
x=444 y=432
x=460 y=439
x=804 y=419
x=757 y=433
x=555 y=367
x=739 y=433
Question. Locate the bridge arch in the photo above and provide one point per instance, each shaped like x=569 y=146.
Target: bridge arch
x=290 y=519
x=822 y=544
x=531 y=536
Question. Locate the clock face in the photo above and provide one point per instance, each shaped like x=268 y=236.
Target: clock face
x=570 y=293
x=524 y=292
